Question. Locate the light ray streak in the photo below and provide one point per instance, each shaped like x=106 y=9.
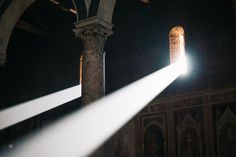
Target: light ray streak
x=82 y=132
x=26 y=110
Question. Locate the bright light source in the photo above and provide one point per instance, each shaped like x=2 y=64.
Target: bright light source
x=82 y=132
x=182 y=64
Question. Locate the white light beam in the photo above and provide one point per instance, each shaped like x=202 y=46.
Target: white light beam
x=81 y=133
x=26 y=110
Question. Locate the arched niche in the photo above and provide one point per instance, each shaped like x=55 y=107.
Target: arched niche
x=189 y=138
x=176 y=43
x=226 y=134
x=154 y=141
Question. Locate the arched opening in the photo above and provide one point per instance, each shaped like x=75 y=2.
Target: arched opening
x=154 y=142
x=227 y=140
x=176 y=43
x=190 y=143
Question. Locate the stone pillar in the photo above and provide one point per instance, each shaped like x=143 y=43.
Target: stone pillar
x=94 y=33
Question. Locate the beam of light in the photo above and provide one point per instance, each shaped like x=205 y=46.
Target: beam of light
x=26 y=110
x=81 y=133
x=183 y=64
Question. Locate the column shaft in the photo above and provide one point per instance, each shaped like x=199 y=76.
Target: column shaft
x=92 y=77
x=94 y=34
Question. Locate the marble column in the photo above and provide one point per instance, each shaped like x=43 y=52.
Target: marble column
x=94 y=33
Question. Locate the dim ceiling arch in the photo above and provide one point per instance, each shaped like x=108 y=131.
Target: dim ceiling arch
x=7 y=23
x=103 y=9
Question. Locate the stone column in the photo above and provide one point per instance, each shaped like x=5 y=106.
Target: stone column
x=94 y=33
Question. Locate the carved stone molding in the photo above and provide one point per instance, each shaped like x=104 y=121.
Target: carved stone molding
x=94 y=37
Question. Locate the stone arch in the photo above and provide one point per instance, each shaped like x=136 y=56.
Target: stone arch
x=7 y=23
x=76 y=9
x=189 y=138
x=9 y=18
x=154 y=140
x=105 y=10
x=226 y=134
x=154 y=123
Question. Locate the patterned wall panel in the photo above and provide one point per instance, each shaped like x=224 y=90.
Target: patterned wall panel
x=225 y=129
x=188 y=133
x=199 y=124
x=154 y=143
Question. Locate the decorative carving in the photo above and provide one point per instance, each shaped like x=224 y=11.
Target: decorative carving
x=208 y=120
x=226 y=134
x=94 y=37
x=223 y=97
x=189 y=138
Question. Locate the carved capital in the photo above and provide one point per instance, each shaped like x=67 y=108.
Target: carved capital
x=94 y=33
